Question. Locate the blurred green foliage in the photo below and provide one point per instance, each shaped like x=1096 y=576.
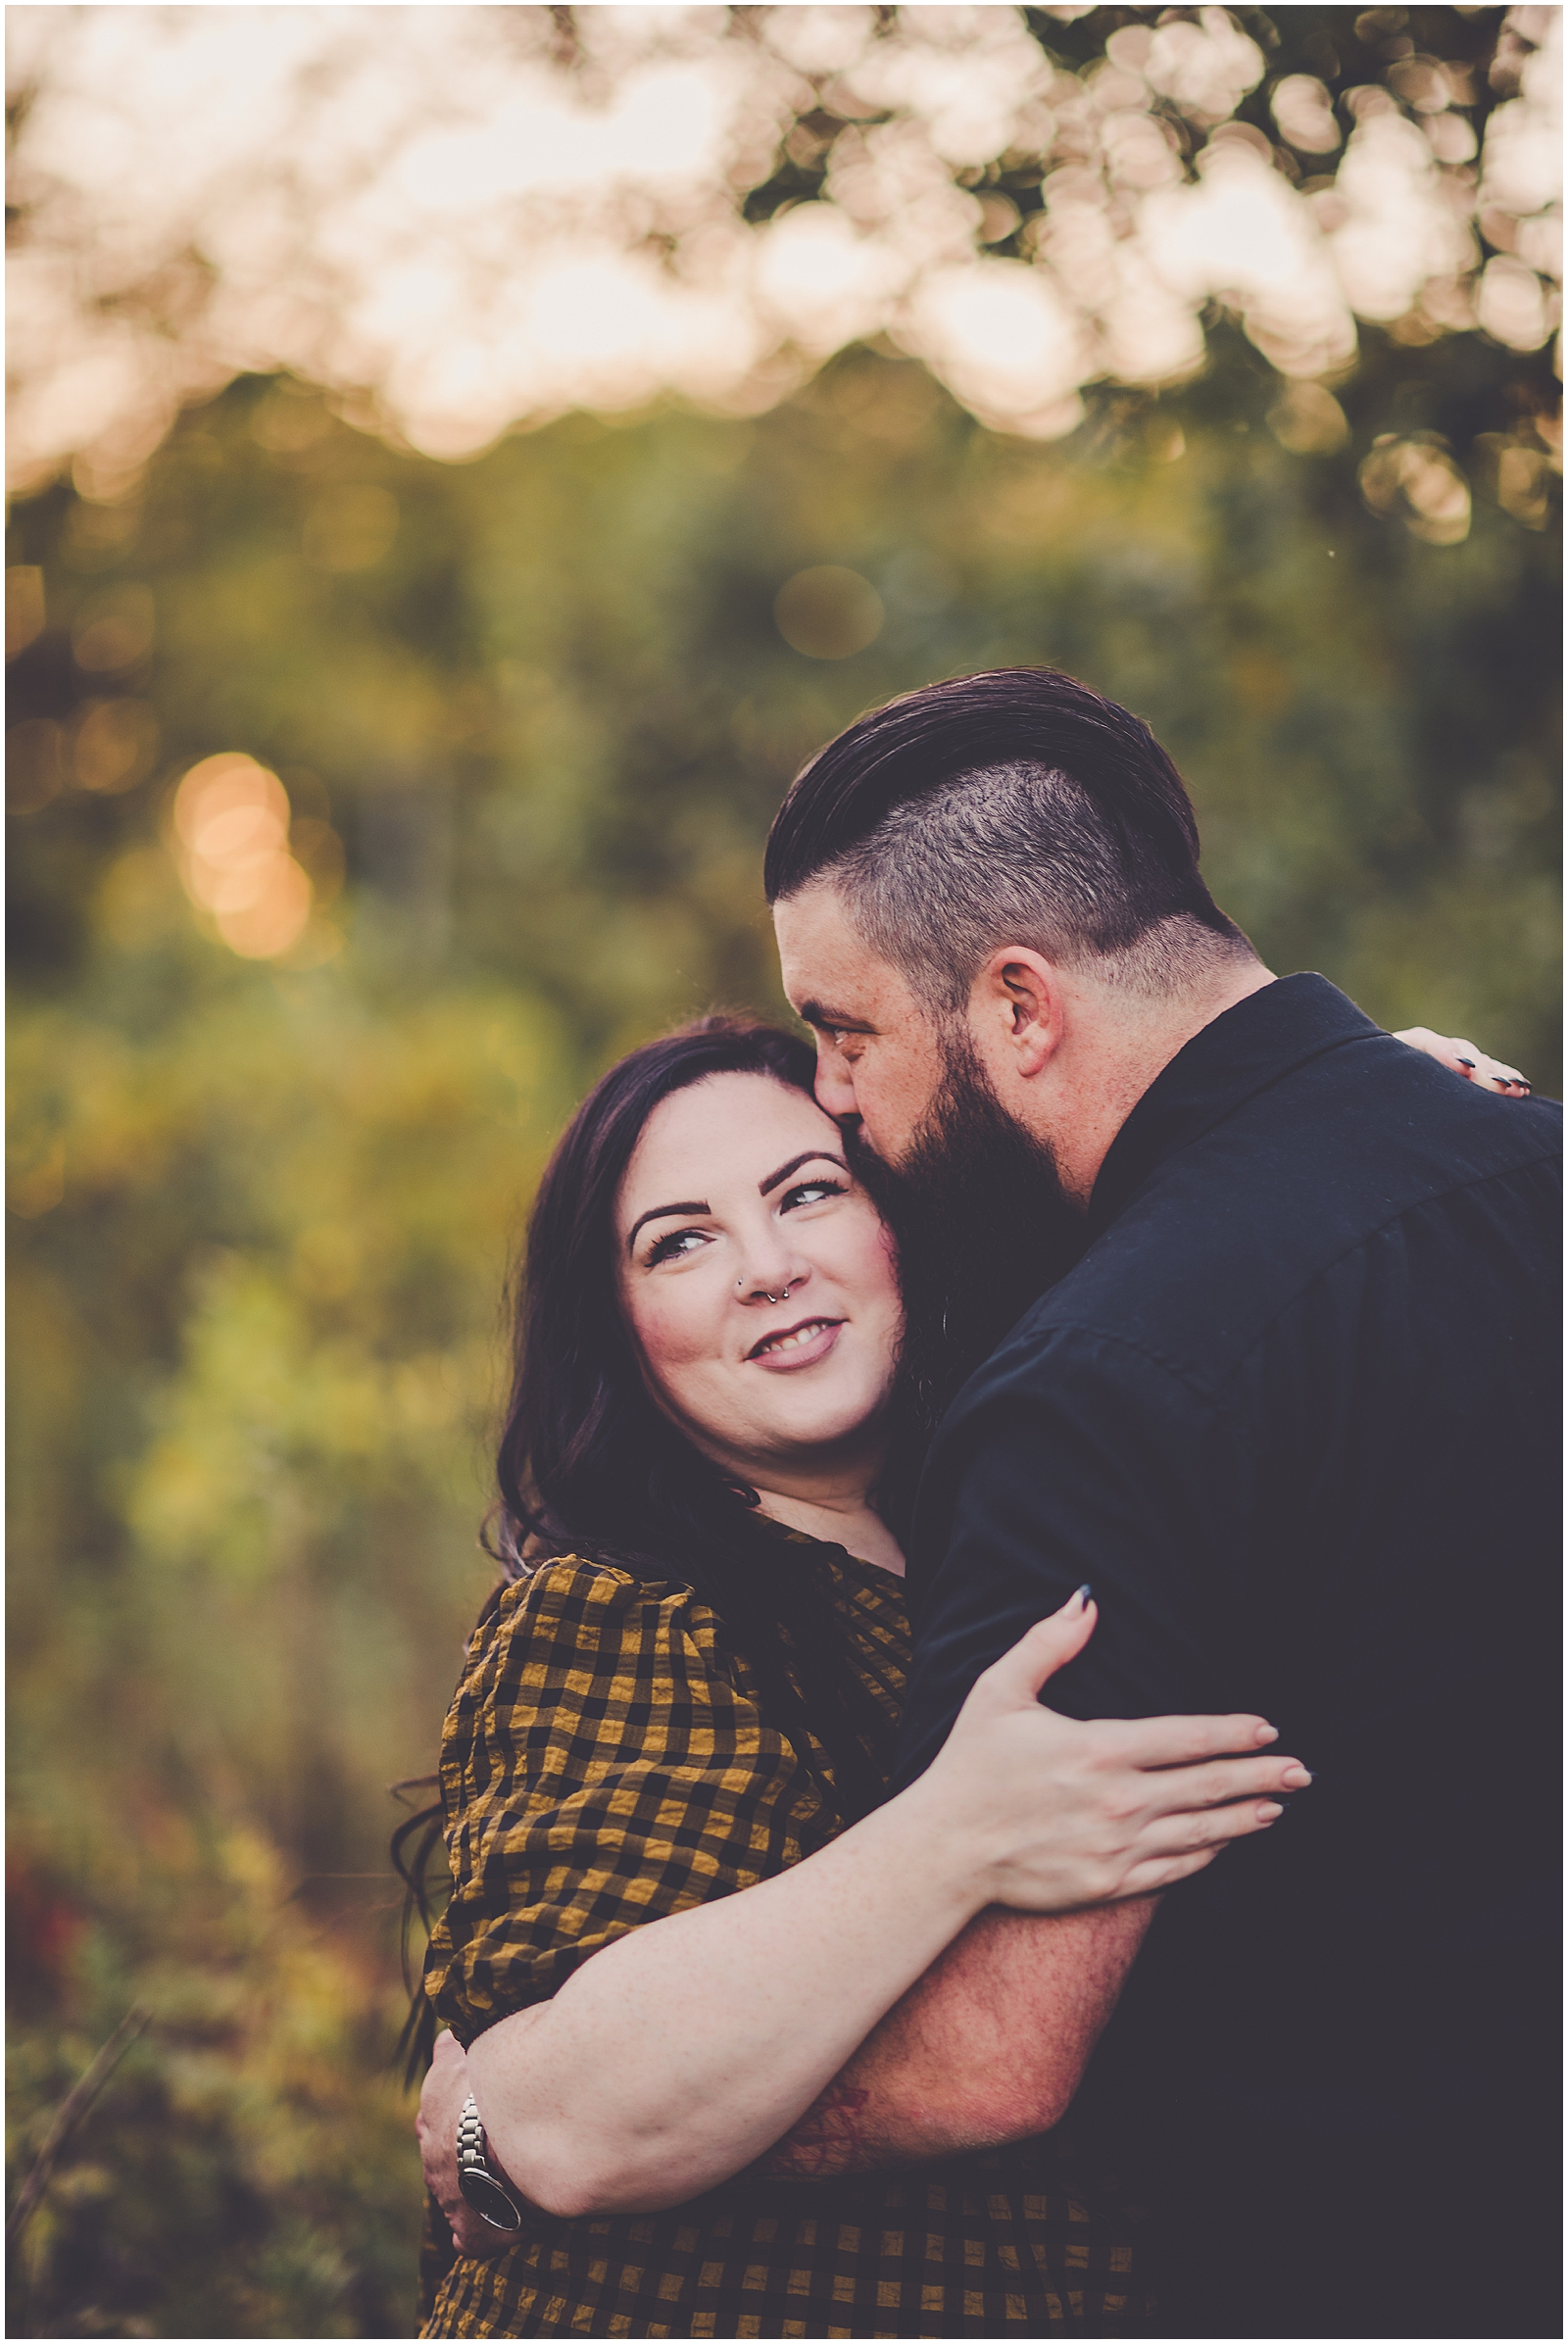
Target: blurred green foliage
x=245 y=2171
x=534 y=713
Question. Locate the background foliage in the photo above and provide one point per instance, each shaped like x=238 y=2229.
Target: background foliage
x=534 y=715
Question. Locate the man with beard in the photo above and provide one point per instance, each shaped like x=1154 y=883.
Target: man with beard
x=1259 y=1309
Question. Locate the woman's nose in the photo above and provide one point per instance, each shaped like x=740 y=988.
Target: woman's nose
x=769 y=1273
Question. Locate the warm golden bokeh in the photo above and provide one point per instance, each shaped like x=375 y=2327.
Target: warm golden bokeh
x=520 y=211
x=364 y=804
x=232 y=817
x=114 y=745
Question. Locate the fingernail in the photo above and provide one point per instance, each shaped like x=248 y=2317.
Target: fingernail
x=1085 y=1598
x=1470 y=1062
x=1269 y=1814
x=1268 y=1734
x=1297 y=1777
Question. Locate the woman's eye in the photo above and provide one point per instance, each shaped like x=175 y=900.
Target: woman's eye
x=674 y=1248
x=812 y=1191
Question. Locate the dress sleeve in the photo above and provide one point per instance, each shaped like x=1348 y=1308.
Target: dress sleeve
x=603 y=1762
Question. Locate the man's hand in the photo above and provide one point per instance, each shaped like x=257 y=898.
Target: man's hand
x=446 y=2087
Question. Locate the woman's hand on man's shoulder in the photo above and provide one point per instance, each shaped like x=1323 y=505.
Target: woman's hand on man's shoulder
x=1462 y=1057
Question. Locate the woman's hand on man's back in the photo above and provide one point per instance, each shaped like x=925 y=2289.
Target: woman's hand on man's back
x=1065 y=1813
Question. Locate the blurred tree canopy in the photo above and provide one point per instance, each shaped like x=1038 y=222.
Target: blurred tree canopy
x=531 y=715
x=473 y=219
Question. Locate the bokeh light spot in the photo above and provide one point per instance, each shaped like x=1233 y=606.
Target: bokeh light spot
x=114 y=630
x=1308 y=421
x=243 y=783
x=231 y=816
x=828 y=612
x=1418 y=478
x=114 y=745
x=1304 y=111
x=275 y=920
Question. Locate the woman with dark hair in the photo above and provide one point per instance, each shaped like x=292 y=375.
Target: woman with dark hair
x=681 y=1900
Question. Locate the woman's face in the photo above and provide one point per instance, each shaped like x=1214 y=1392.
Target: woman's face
x=757 y=1278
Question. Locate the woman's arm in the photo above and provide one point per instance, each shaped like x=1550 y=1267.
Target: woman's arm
x=683 y=2051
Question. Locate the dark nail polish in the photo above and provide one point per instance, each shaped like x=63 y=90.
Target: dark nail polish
x=1470 y=1062
x=1085 y=1595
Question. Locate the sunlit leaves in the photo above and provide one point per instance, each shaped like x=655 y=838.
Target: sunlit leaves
x=476 y=222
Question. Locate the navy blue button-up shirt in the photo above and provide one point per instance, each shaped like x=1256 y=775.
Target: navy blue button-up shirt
x=1296 y=1417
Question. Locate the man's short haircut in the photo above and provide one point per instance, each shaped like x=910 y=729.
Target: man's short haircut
x=1014 y=806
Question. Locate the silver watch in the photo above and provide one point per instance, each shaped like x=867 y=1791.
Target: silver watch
x=490 y=2200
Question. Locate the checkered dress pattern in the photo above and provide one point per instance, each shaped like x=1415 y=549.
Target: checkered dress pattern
x=606 y=1762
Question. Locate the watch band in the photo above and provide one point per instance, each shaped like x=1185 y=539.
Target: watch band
x=481 y=2189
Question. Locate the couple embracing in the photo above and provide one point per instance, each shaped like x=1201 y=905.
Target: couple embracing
x=1159 y=1941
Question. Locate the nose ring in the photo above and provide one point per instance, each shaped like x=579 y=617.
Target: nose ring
x=780 y=1297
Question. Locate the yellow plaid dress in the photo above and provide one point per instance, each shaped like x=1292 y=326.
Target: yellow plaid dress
x=605 y=1762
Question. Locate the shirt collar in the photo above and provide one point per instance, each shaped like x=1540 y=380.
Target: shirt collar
x=1248 y=1047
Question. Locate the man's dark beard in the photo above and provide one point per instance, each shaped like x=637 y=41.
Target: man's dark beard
x=982 y=1227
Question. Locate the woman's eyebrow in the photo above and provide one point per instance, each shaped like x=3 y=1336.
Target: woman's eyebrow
x=663 y=1212
x=813 y=1156
x=660 y=1212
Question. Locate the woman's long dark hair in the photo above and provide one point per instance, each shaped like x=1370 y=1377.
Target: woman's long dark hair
x=589 y=1465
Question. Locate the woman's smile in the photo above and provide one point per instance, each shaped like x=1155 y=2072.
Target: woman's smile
x=800 y=1346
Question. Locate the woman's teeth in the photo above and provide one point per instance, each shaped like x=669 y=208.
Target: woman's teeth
x=793 y=1342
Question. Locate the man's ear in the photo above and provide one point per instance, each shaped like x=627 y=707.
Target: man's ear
x=1015 y=1007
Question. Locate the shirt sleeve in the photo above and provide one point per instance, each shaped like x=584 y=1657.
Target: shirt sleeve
x=603 y=1764
x=1089 y=1463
